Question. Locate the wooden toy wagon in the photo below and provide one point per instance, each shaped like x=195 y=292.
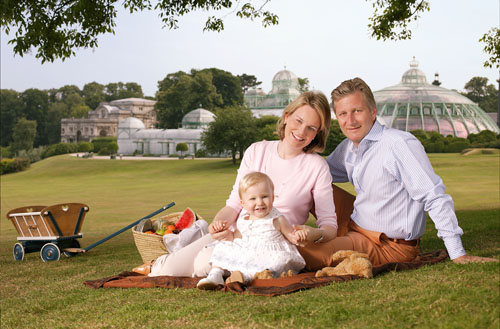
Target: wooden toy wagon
x=53 y=229
x=48 y=229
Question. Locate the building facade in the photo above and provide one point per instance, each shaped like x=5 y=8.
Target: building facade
x=284 y=91
x=135 y=138
x=416 y=104
x=103 y=121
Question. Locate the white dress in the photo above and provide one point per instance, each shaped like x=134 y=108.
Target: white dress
x=261 y=247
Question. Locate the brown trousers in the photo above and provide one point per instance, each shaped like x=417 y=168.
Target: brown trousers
x=350 y=236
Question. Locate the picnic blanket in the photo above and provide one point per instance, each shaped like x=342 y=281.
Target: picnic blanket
x=261 y=287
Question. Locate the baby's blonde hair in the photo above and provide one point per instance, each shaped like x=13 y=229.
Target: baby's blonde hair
x=253 y=178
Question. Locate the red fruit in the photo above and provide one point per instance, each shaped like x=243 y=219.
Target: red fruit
x=186 y=220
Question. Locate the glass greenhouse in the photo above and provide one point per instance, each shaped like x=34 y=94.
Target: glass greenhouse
x=416 y=104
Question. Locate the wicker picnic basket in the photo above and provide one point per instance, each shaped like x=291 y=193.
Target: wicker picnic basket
x=151 y=246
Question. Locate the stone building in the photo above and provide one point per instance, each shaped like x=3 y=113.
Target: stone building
x=135 y=138
x=103 y=121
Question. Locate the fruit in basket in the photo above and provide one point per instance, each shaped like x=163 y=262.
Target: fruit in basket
x=160 y=232
x=186 y=220
x=149 y=232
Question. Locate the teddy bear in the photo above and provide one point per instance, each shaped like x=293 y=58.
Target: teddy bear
x=349 y=262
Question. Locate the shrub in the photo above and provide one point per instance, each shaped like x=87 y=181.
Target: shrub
x=102 y=142
x=33 y=155
x=5 y=164
x=85 y=147
x=457 y=146
x=14 y=165
x=434 y=147
x=112 y=147
x=6 y=153
x=201 y=153
x=103 y=151
x=60 y=148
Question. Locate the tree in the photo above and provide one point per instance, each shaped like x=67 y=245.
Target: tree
x=303 y=84
x=180 y=93
x=181 y=147
x=11 y=109
x=226 y=84
x=120 y=90
x=36 y=103
x=266 y=127
x=93 y=93
x=232 y=131
x=391 y=18
x=248 y=81
x=482 y=93
x=335 y=136
x=491 y=39
x=55 y=28
x=23 y=135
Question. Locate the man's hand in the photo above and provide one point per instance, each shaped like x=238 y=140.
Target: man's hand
x=473 y=259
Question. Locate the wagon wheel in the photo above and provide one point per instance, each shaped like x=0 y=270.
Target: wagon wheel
x=50 y=252
x=73 y=244
x=18 y=251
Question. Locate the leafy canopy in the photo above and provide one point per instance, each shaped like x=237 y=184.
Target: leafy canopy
x=55 y=28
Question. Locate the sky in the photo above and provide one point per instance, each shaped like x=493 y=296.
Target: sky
x=326 y=41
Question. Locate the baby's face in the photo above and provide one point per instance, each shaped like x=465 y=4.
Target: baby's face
x=258 y=200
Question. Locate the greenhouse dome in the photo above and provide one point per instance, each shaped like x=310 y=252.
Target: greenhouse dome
x=416 y=104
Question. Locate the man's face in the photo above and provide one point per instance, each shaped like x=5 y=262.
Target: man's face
x=355 y=116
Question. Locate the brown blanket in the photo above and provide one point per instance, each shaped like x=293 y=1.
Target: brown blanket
x=270 y=287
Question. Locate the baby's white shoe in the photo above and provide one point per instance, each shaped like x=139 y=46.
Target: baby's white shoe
x=211 y=282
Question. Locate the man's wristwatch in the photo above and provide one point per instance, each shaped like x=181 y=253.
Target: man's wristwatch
x=318 y=240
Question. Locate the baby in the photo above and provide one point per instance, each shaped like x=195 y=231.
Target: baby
x=263 y=240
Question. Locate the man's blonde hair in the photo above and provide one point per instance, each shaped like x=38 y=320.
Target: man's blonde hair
x=318 y=101
x=253 y=178
x=349 y=87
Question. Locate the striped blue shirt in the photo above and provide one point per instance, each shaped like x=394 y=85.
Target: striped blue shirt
x=396 y=186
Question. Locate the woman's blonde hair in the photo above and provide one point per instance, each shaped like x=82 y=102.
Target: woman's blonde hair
x=318 y=101
x=251 y=179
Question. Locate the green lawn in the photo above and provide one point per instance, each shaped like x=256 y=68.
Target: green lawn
x=51 y=295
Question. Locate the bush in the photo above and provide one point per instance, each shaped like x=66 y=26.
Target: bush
x=102 y=142
x=5 y=164
x=85 y=147
x=14 y=165
x=103 y=151
x=484 y=136
x=6 y=153
x=112 y=147
x=457 y=146
x=60 y=148
x=33 y=155
x=434 y=147
x=201 y=153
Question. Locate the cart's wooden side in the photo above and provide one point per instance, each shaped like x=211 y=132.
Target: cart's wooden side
x=29 y=222
x=37 y=222
x=66 y=219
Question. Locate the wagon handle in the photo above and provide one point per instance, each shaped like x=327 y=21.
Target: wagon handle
x=171 y=204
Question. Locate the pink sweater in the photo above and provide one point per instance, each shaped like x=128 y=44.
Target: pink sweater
x=297 y=183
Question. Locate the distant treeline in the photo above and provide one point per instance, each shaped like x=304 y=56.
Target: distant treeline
x=48 y=107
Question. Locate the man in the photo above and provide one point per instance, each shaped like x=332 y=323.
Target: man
x=395 y=186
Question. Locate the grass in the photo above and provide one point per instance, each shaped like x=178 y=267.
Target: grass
x=51 y=295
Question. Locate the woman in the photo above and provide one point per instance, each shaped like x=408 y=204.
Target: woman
x=301 y=178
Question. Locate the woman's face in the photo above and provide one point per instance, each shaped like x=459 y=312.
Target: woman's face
x=301 y=127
